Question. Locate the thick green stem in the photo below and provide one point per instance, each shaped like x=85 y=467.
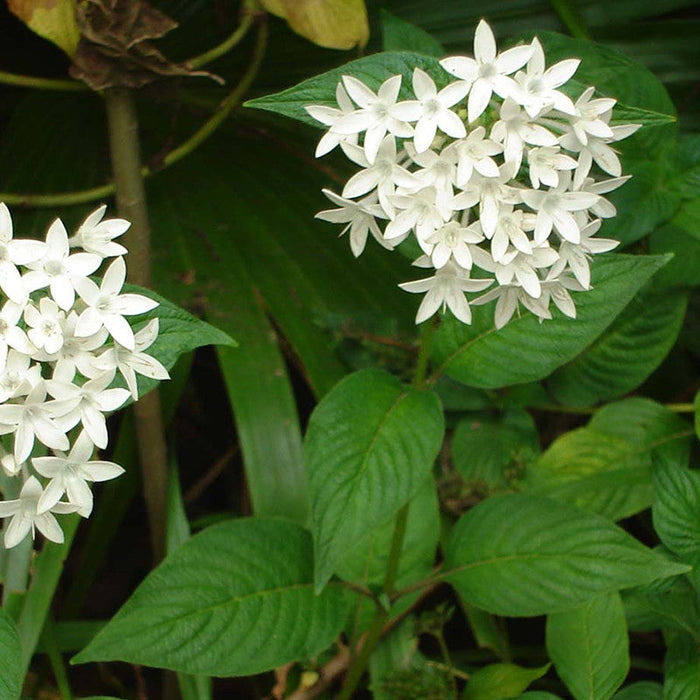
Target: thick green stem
x=131 y=202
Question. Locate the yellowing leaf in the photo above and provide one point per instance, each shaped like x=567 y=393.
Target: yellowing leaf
x=334 y=24
x=52 y=19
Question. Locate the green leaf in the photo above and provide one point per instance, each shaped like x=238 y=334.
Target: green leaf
x=676 y=508
x=400 y=35
x=179 y=332
x=644 y=690
x=491 y=450
x=681 y=668
x=589 y=647
x=538 y=695
x=629 y=350
x=366 y=561
x=680 y=236
x=10 y=659
x=526 y=350
x=655 y=607
x=365 y=459
x=606 y=466
x=500 y=681
x=373 y=71
x=226 y=603
x=489 y=631
x=523 y=555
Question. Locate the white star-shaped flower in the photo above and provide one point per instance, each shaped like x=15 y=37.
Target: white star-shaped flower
x=360 y=217
x=384 y=175
x=432 y=110
x=25 y=517
x=545 y=163
x=446 y=289
x=71 y=473
x=474 y=153
x=13 y=253
x=487 y=72
x=106 y=307
x=97 y=236
x=11 y=335
x=377 y=114
x=328 y=116
x=89 y=404
x=45 y=325
x=453 y=241
x=59 y=270
x=577 y=256
x=537 y=87
x=35 y=418
x=131 y=363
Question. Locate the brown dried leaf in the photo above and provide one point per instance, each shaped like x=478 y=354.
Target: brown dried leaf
x=334 y=24
x=52 y=19
x=115 y=48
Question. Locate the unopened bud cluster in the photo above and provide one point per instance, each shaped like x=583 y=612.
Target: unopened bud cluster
x=63 y=338
x=499 y=176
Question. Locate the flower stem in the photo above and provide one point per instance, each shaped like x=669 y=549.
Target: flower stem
x=125 y=153
x=93 y=194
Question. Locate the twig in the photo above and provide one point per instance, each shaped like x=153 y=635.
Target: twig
x=199 y=486
x=328 y=675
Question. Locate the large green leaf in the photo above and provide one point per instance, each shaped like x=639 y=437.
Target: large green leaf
x=625 y=354
x=10 y=659
x=606 y=466
x=523 y=555
x=525 y=350
x=236 y=599
x=676 y=509
x=370 y=444
x=589 y=647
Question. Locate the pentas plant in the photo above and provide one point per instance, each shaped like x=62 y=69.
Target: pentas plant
x=499 y=176
x=63 y=339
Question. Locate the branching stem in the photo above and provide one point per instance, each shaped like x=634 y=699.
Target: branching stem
x=207 y=129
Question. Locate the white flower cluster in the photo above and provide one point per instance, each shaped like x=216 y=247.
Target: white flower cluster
x=63 y=338
x=493 y=171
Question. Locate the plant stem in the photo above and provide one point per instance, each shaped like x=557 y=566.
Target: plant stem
x=56 y=659
x=359 y=664
x=230 y=42
x=92 y=194
x=125 y=152
x=30 y=81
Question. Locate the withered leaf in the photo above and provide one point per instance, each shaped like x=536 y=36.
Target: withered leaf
x=115 y=48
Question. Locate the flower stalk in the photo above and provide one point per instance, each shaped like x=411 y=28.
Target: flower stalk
x=122 y=123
